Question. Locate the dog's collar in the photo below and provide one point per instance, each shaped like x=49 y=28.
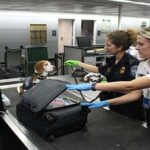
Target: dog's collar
x=39 y=76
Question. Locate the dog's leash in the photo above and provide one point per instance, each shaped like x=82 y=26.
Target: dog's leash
x=76 y=83
x=81 y=91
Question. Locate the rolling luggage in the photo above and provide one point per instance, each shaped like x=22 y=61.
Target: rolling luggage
x=51 y=111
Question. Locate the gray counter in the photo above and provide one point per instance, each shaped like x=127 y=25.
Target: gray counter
x=106 y=131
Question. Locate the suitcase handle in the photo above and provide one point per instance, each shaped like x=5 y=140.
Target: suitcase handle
x=50 y=117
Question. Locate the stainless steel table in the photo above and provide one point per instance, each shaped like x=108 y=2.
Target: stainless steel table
x=106 y=131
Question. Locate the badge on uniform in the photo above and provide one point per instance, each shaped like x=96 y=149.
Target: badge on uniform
x=122 y=70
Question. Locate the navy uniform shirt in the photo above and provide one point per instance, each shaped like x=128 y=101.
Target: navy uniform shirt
x=124 y=70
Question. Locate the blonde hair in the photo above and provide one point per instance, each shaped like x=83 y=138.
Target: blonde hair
x=133 y=35
x=146 y=33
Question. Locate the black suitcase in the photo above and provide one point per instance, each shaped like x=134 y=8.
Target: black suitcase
x=42 y=109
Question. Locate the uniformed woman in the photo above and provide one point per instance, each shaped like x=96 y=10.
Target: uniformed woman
x=141 y=82
x=120 y=67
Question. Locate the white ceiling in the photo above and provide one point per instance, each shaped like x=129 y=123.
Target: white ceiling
x=101 y=7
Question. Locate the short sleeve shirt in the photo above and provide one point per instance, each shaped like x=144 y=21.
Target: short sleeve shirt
x=144 y=70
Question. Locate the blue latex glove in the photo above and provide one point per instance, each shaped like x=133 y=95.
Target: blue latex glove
x=81 y=87
x=96 y=104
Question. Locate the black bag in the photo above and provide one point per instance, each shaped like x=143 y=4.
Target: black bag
x=50 y=111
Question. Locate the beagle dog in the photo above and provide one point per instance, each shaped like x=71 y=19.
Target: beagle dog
x=41 y=70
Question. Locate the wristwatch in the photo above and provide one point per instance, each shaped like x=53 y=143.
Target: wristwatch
x=93 y=86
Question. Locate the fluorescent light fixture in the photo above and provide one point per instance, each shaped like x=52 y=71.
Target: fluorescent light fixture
x=4 y=14
x=131 y=2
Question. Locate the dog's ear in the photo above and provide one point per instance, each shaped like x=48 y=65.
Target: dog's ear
x=38 y=67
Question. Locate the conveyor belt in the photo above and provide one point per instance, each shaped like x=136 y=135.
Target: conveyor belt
x=106 y=131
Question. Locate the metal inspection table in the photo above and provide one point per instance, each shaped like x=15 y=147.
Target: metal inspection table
x=106 y=131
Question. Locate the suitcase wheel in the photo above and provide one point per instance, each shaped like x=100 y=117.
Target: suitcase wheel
x=50 y=138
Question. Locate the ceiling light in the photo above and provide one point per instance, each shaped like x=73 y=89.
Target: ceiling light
x=131 y=2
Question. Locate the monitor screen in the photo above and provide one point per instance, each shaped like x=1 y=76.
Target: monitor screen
x=83 y=42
